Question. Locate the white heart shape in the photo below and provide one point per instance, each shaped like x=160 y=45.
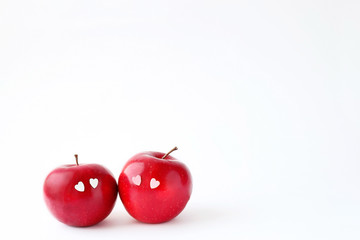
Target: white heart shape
x=154 y=183
x=80 y=187
x=136 y=180
x=94 y=182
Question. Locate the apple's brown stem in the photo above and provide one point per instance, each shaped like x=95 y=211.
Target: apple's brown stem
x=175 y=148
x=76 y=158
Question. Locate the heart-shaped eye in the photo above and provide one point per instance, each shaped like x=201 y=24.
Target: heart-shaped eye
x=154 y=183
x=80 y=187
x=94 y=182
x=136 y=180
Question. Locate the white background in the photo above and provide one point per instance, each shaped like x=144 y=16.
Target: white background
x=261 y=97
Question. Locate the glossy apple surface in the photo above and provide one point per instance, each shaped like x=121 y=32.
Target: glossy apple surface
x=152 y=189
x=80 y=195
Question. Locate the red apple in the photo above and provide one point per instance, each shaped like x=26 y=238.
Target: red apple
x=154 y=187
x=80 y=195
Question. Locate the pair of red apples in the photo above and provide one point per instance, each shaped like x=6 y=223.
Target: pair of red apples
x=154 y=188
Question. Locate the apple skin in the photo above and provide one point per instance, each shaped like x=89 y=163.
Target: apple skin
x=171 y=190
x=80 y=208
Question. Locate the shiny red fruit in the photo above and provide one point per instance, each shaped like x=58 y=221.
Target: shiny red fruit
x=152 y=189
x=80 y=195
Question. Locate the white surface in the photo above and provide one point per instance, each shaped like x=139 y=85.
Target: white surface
x=261 y=97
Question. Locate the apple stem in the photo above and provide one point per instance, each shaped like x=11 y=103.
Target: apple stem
x=76 y=158
x=175 y=148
